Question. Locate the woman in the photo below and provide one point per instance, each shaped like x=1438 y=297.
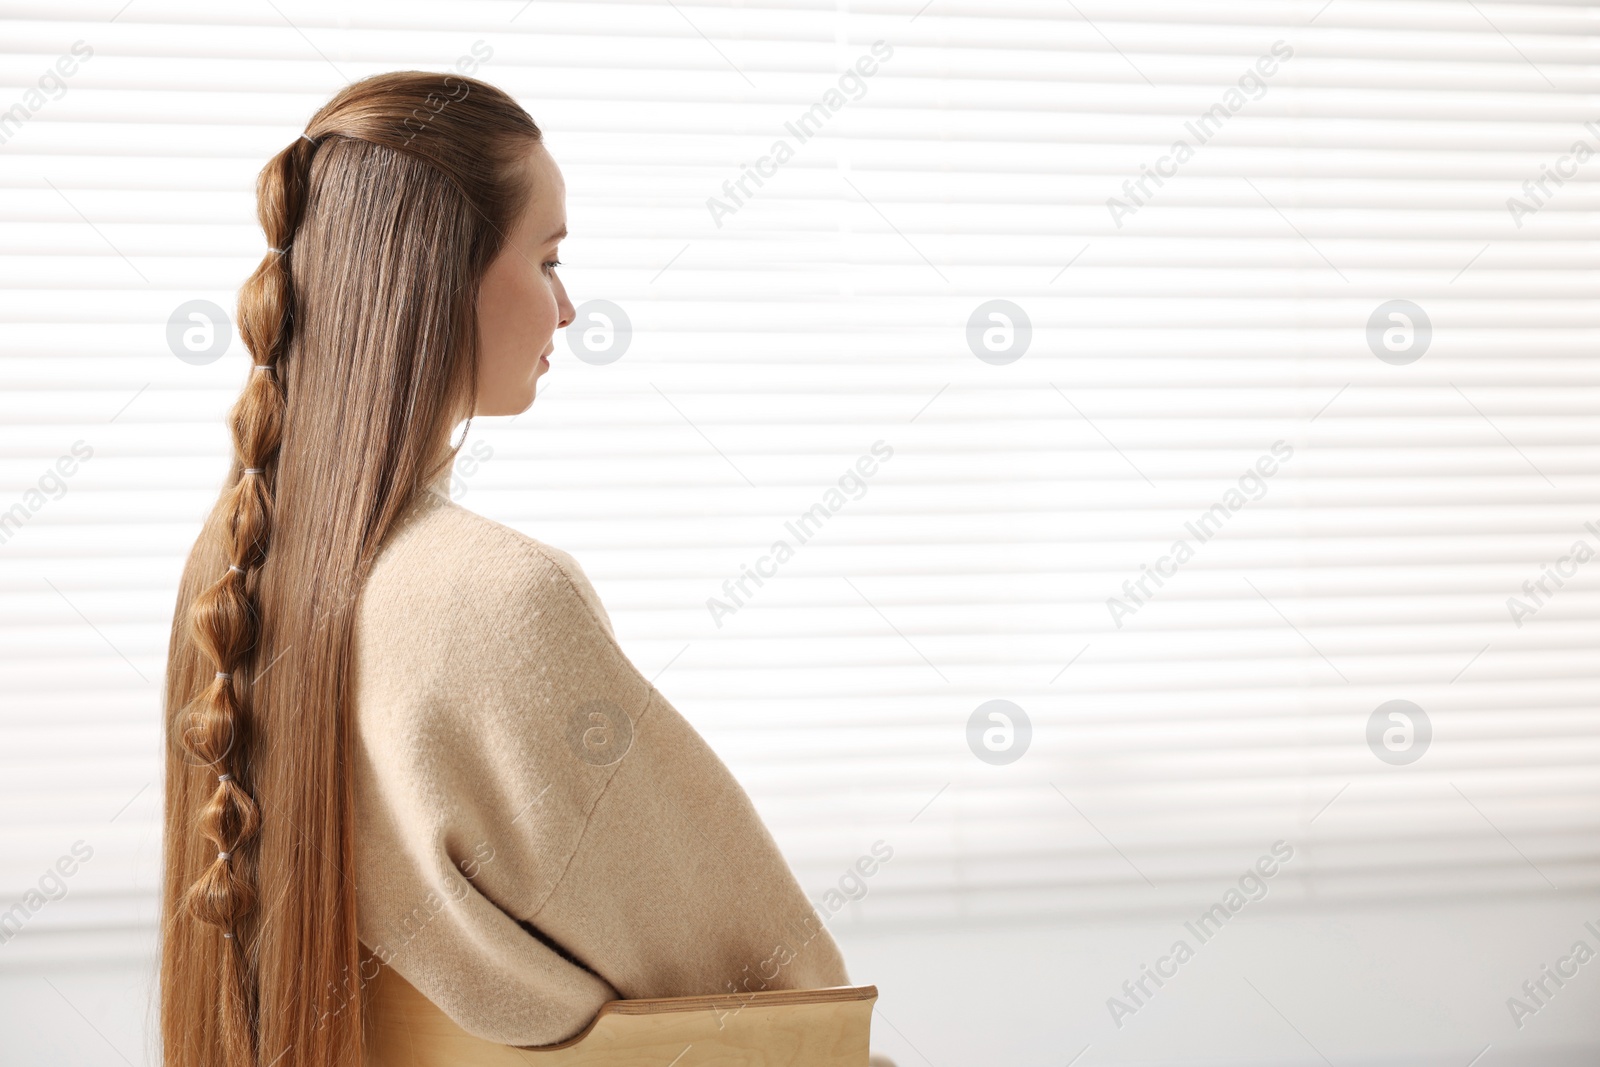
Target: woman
x=401 y=735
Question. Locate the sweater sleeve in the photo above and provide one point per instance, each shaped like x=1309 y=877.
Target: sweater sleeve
x=578 y=835
x=675 y=886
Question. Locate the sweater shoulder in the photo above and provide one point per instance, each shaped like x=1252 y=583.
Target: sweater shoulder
x=446 y=562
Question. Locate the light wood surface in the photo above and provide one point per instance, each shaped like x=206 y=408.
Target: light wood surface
x=777 y=1028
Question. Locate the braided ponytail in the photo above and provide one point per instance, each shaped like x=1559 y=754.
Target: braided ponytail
x=222 y=620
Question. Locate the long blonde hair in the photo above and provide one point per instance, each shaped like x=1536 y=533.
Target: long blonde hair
x=361 y=320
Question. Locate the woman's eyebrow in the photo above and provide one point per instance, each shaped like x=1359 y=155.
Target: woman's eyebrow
x=558 y=235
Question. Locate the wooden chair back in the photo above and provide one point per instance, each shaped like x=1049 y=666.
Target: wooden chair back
x=772 y=1028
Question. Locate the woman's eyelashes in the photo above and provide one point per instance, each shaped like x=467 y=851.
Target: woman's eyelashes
x=550 y=265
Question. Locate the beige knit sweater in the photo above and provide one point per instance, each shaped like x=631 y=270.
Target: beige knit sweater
x=538 y=830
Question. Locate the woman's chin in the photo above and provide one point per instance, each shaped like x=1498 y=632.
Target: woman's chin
x=511 y=401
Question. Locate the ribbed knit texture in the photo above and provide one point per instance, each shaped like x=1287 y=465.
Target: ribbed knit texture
x=508 y=863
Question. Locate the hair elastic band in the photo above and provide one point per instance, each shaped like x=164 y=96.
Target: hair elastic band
x=261 y=366
x=220 y=674
x=305 y=137
x=277 y=250
x=222 y=855
x=233 y=567
x=224 y=777
x=252 y=470
x=227 y=934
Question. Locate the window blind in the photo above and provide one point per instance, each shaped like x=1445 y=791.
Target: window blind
x=1180 y=421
